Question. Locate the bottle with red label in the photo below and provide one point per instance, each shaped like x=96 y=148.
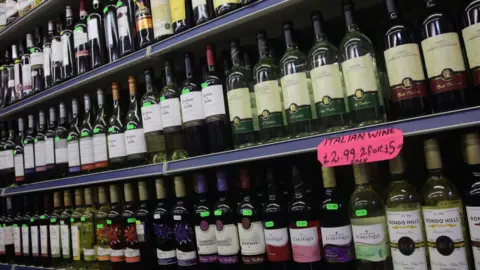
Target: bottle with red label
x=404 y=67
x=304 y=227
x=132 y=248
x=444 y=60
x=275 y=224
x=116 y=230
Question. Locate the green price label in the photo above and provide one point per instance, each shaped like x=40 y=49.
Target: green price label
x=15 y=225
x=24 y=226
x=32 y=219
x=301 y=223
x=269 y=224
x=247 y=212
x=111 y=129
x=332 y=206
x=99 y=226
x=25 y=141
x=162 y=98
x=185 y=91
x=105 y=10
x=131 y=220
x=361 y=212
x=109 y=222
x=14 y=152
x=4 y=225
x=96 y=130
x=84 y=134
x=72 y=220
x=42 y=217
x=53 y=220
x=78 y=29
x=69 y=138
x=205 y=214
x=57 y=139
x=83 y=219
x=88 y=19
x=204 y=85
x=119 y=4
x=217 y=213
x=147 y=104
x=130 y=126
x=36 y=140
x=138 y=222
x=61 y=33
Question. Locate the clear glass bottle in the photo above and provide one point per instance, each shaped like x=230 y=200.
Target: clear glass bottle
x=100 y=131
x=87 y=161
x=88 y=243
x=135 y=143
x=76 y=230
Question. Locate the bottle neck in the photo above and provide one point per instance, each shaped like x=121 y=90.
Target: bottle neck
x=210 y=60
x=169 y=75
x=318 y=30
x=289 y=43
x=350 y=23
x=148 y=83
x=263 y=50
x=236 y=56
x=392 y=10
x=188 y=68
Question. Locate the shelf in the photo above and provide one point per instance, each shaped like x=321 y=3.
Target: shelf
x=19 y=267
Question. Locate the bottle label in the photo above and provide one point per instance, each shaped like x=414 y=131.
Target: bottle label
x=444 y=63
x=471 y=38
x=86 y=150
x=55 y=241
x=89 y=254
x=338 y=244
x=252 y=240
x=25 y=239
x=206 y=239
x=8 y=159
x=122 y=20
x=36 y=59
x=166 y=257
x=473 y=216
x=328 y=90
x=17 y=80
x=135 y=141
x=197 y=3
x=80 y=38
x=192 y=108
x=446 y=243
x=217 y=3
x=103 y=254
x=162 y=21
x=75 y=242
x=227 y=239
x=213 y=101
x=306 y=242
x=44 y=240
x=117 y=255
x=132 y=255
x=34 y=235
x=116 y=145
x=92 y=28
x=65 y=49
x=407 y=243
x=170 y=112
x=152 y=118
x=240 y=110
x=186 y=258
x=144 y=22
x=184 y=236
x=141 y=229
x=100 y=153
x=17 y=238
x=177 y=10
x=296 y=98
x=47 y=58
x=27 y=78
x=8 y=231
x=278 y=245
x=65 y=239
x=2 y=241
x=371 y=241
x=49 y=151
x=40 y=155
x=29 y=157
x=73 y=154
x=405 y=72
x=360 y=82
x=61 y=151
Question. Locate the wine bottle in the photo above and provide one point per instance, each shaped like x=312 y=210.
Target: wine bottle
x=126 y=26
x=214 y=107
x=162 y=20
x=17 y=233
x=202 y=11
x=276 y=226
x=9 y=95
x=8 y=231
x=88 y=237
x=50 y=143
x=135 y=144
x=163 y=228
x=54 y=230
x=182 y=226
x=144 y=227
x=36 y=62
x=101 y=226
x=2 y=235
x=86 y=137
x=17 y=70
x=96 y=36
x=132 y=248
x=35 y=229
x=19 y=154
x=193 y=116
x=25 y=231
x=45 y=249
x=203 y=221
x=404 y=219
x=358 y=64
x=268 y=95
x=225 y=6
x=47 y=56
x=304 y=226
x=171 y=116
x=116 y=230
x=57 y=53
x=228 y=243
x=28 y=150
x=326 y=78
x=404 y=67
x=8 y=172
x=117 y=153
x=11 y=11
x=443 y=58
x=143 y=18
x=296 y=97
x=39 y=146
x=471 y=24
x=68 y=47
x=73 y=138
x=61 y=143
x=80 y=37
x=111 y=31
x=3 y=140
x=76 y=230
x=472 y=144
x=100 y=129
x=250 y=227
x=180 y=13
x=152 y=121
x=65 y=230
x=27 y=86
x=367 y=215
x=443 y=214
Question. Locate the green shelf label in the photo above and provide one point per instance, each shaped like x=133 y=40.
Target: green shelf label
x=361 y=212
x=217 y=213
x=78 y=29
x=96 y=130
x=24 y=226
x=53 y=220
x=14 y=152
x=99 y=226
x=109 y=222
x=57 y=139
x=302 y=223
x=147 y=104
x=138 y=222
x=72 y=220
x=185 y=91
x=69 y=138
x=162 y=98
x=84 y=134
x=131 y=220
x=111 y=129
x=130 y=126
x=32 y=219
x=61 y=33
x=89 y=19
x=204 y=85
x=82 y=219
x=25 y=141
x=247 y=212
x=4 y=225
x=269 y=224
x=119 y=4
x=36 y=140
x=42 y=217
x=205 y=214
x=105 y=10
x=332 y=206
x=15 y=225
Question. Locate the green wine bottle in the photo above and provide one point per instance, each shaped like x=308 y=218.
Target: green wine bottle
x=88 y=239
x=65 y=230
x=76 y=231
x=103 y=245
x=443 y=212
x=369 y=227
x=54 y=228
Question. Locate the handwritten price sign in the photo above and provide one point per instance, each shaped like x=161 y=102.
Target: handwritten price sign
x=365 y=147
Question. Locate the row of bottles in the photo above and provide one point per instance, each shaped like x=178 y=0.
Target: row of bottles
x=14 y=9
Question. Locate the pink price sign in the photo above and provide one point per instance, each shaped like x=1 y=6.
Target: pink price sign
x=365 y=147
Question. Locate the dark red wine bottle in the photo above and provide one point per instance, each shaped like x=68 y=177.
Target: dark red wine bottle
x=27 y=258
x=80 y=36
x=96 y=36
x=8 y=231
x=132 y=248
x=116 y=230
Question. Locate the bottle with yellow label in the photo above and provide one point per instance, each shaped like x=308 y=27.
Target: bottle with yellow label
x=181 y=15
x=471 y=40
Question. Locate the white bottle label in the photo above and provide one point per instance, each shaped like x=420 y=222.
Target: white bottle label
x=166 y=256
x=152 y=118
x=227 y=240
x=471 y=39
x=406 y=240
x=402 y=62
x=2 y=241
x=305 y=244
x=206 y=239
x=252 y=240
x=336 y=236
x=213 y=100
x=8 y=159
x=162 y=20
x=116 y=145
x=79 y=38
x=92 y=28
x=295 y=90
x=29 y=156
x=61 y=151
x=40 y=154
x=196 y=3
x=44 y=240
x=135 y=141
x=65 y=234
x=86 y=150
x=122 y=20
x=27 y=77
x=25 y=240
x=186 y=258
x=34 y=235
x=445 y=238
x=58 y=49
x=473 y=216
x=268 y=97
x=17 y=238
x=100 y=147
x=239 y=104
x=65 y=50
x=442 y=52
x=326 y=81
x=11 y=83
x=47 y=58
x=55 y=240
x=36 y=58
x=49 y=151
x=73 y=154
x=359 y=73
x=75 y=242
x=8 y=231
x=192 y=106
x=371 y=241
x=171 y=116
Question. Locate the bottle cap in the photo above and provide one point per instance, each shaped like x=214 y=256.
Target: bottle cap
x=160 y=188
x=222 y=184
x=432 y=154
x=328 y=174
